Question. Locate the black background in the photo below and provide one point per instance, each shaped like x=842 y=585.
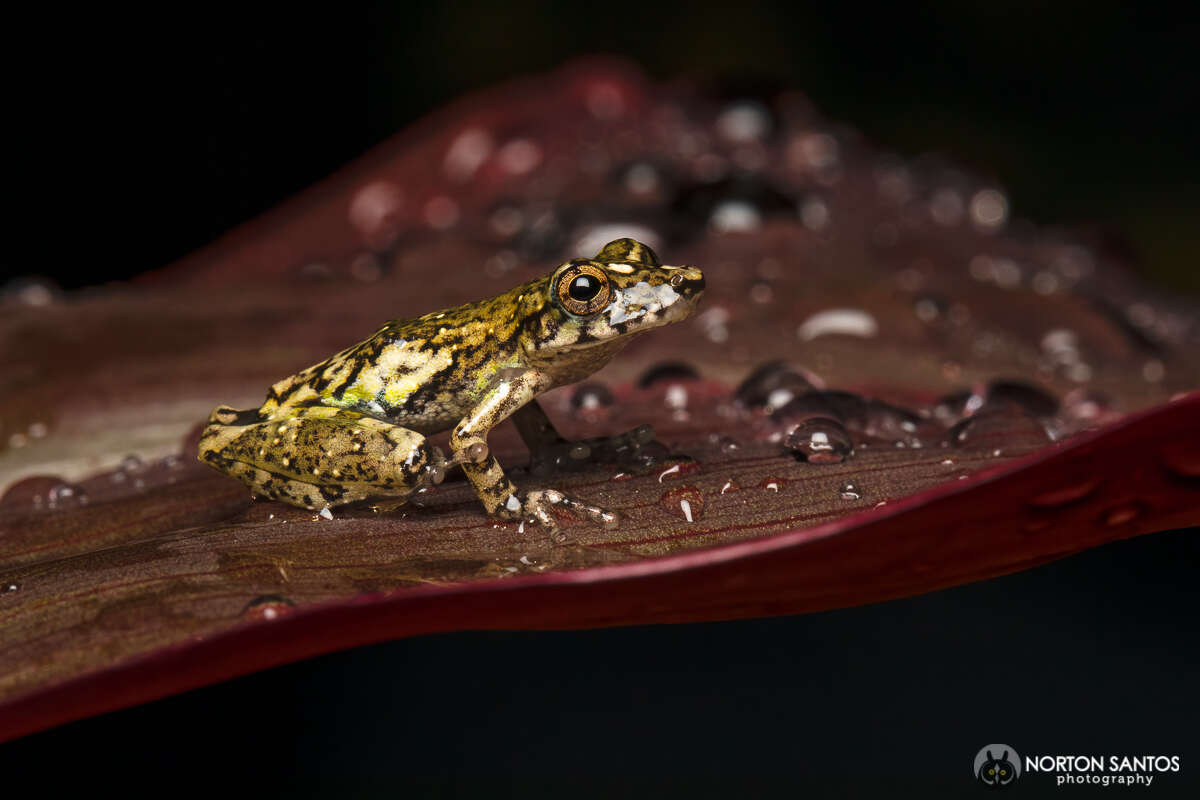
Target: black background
x=136 y=138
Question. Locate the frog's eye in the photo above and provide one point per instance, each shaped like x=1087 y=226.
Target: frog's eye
x=583 y=289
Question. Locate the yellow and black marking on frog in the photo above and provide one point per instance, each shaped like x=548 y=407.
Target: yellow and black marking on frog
x=353 y=426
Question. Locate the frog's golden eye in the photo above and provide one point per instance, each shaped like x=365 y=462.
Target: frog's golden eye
x=583 y=289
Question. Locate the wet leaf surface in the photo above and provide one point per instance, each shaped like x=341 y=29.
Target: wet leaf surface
x=892 y=387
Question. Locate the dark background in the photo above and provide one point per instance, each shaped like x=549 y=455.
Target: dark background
x=136 y=139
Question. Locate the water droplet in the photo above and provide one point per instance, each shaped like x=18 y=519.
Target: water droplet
x=814 y=214
x=9 y=587
x=845 y=407
x=683 y=501
x=744 y=122
x=735 y=216
x=519 y=156
x=1183 y=458
x=761 y=293
x=31 y=291
x=467 y=153
x=813 y=152
x=1035 y=400
x=850 y=491
x=365 y=267
x=591 y=401
x=1088 y=406
x=507 y=221
x=1153 y=371
x=66 y=495
x=131 y=463
x=989 y=209
x=844 y=321
x=772 y=483
x=667 y=372
x=375 y=212
x=641 y=179
x=771 y=385
x=325 y=513
x=1068 y=493
x=946 y=207
x=1007 y=426
x=605 y=101
x=592 y=239
x=679 y=469
x=953 y=407
x=713 y=322
x=730 y=485
x=820 y=440
x=268 y=607
x=929 y=307
x=441 y=212
x=1122 y=514
x=892 y=422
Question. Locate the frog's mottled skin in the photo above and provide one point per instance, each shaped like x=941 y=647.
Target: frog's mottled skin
x=353 y=427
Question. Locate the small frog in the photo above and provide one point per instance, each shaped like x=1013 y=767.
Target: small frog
x=353 y=427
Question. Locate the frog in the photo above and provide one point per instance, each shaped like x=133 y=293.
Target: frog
x=353 y=428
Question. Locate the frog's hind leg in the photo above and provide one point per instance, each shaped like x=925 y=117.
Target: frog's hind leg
x=319 y=456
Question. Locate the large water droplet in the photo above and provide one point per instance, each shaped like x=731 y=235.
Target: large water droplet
x=591 y=401
x=771 y=386
x=31 y=291
x=66 y=495
x=850 y=491
x=1004 y=428
x=1122 y=514
x=667 y=372
x=744 y=122
x=683 y=501
x=820 y=440
x=1035 y=400
x=268 y=607
x=771 y=483
x=1068 y=493
x=1183 y=458
x=843 y=321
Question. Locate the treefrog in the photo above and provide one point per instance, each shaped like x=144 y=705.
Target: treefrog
x=354 y=426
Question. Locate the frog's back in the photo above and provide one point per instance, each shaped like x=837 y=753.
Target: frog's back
x=423 y=373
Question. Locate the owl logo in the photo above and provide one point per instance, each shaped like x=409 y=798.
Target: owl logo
x=997 y=766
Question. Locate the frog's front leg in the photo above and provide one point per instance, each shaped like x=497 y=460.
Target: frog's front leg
x=512 y=390
x=318 y=456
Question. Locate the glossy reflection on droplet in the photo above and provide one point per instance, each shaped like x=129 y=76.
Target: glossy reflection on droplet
x=850 y=491
x=268 y=607
x=1063 y=494
x=667 y=372
x=771 y=385
x=686 y=502
x=819 y=440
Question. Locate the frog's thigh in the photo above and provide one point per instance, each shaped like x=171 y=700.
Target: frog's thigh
x=321 y=456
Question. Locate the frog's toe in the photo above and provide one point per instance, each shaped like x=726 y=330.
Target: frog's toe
x=538 y=504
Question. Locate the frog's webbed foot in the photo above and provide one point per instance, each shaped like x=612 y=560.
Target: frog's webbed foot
x=536 y=505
